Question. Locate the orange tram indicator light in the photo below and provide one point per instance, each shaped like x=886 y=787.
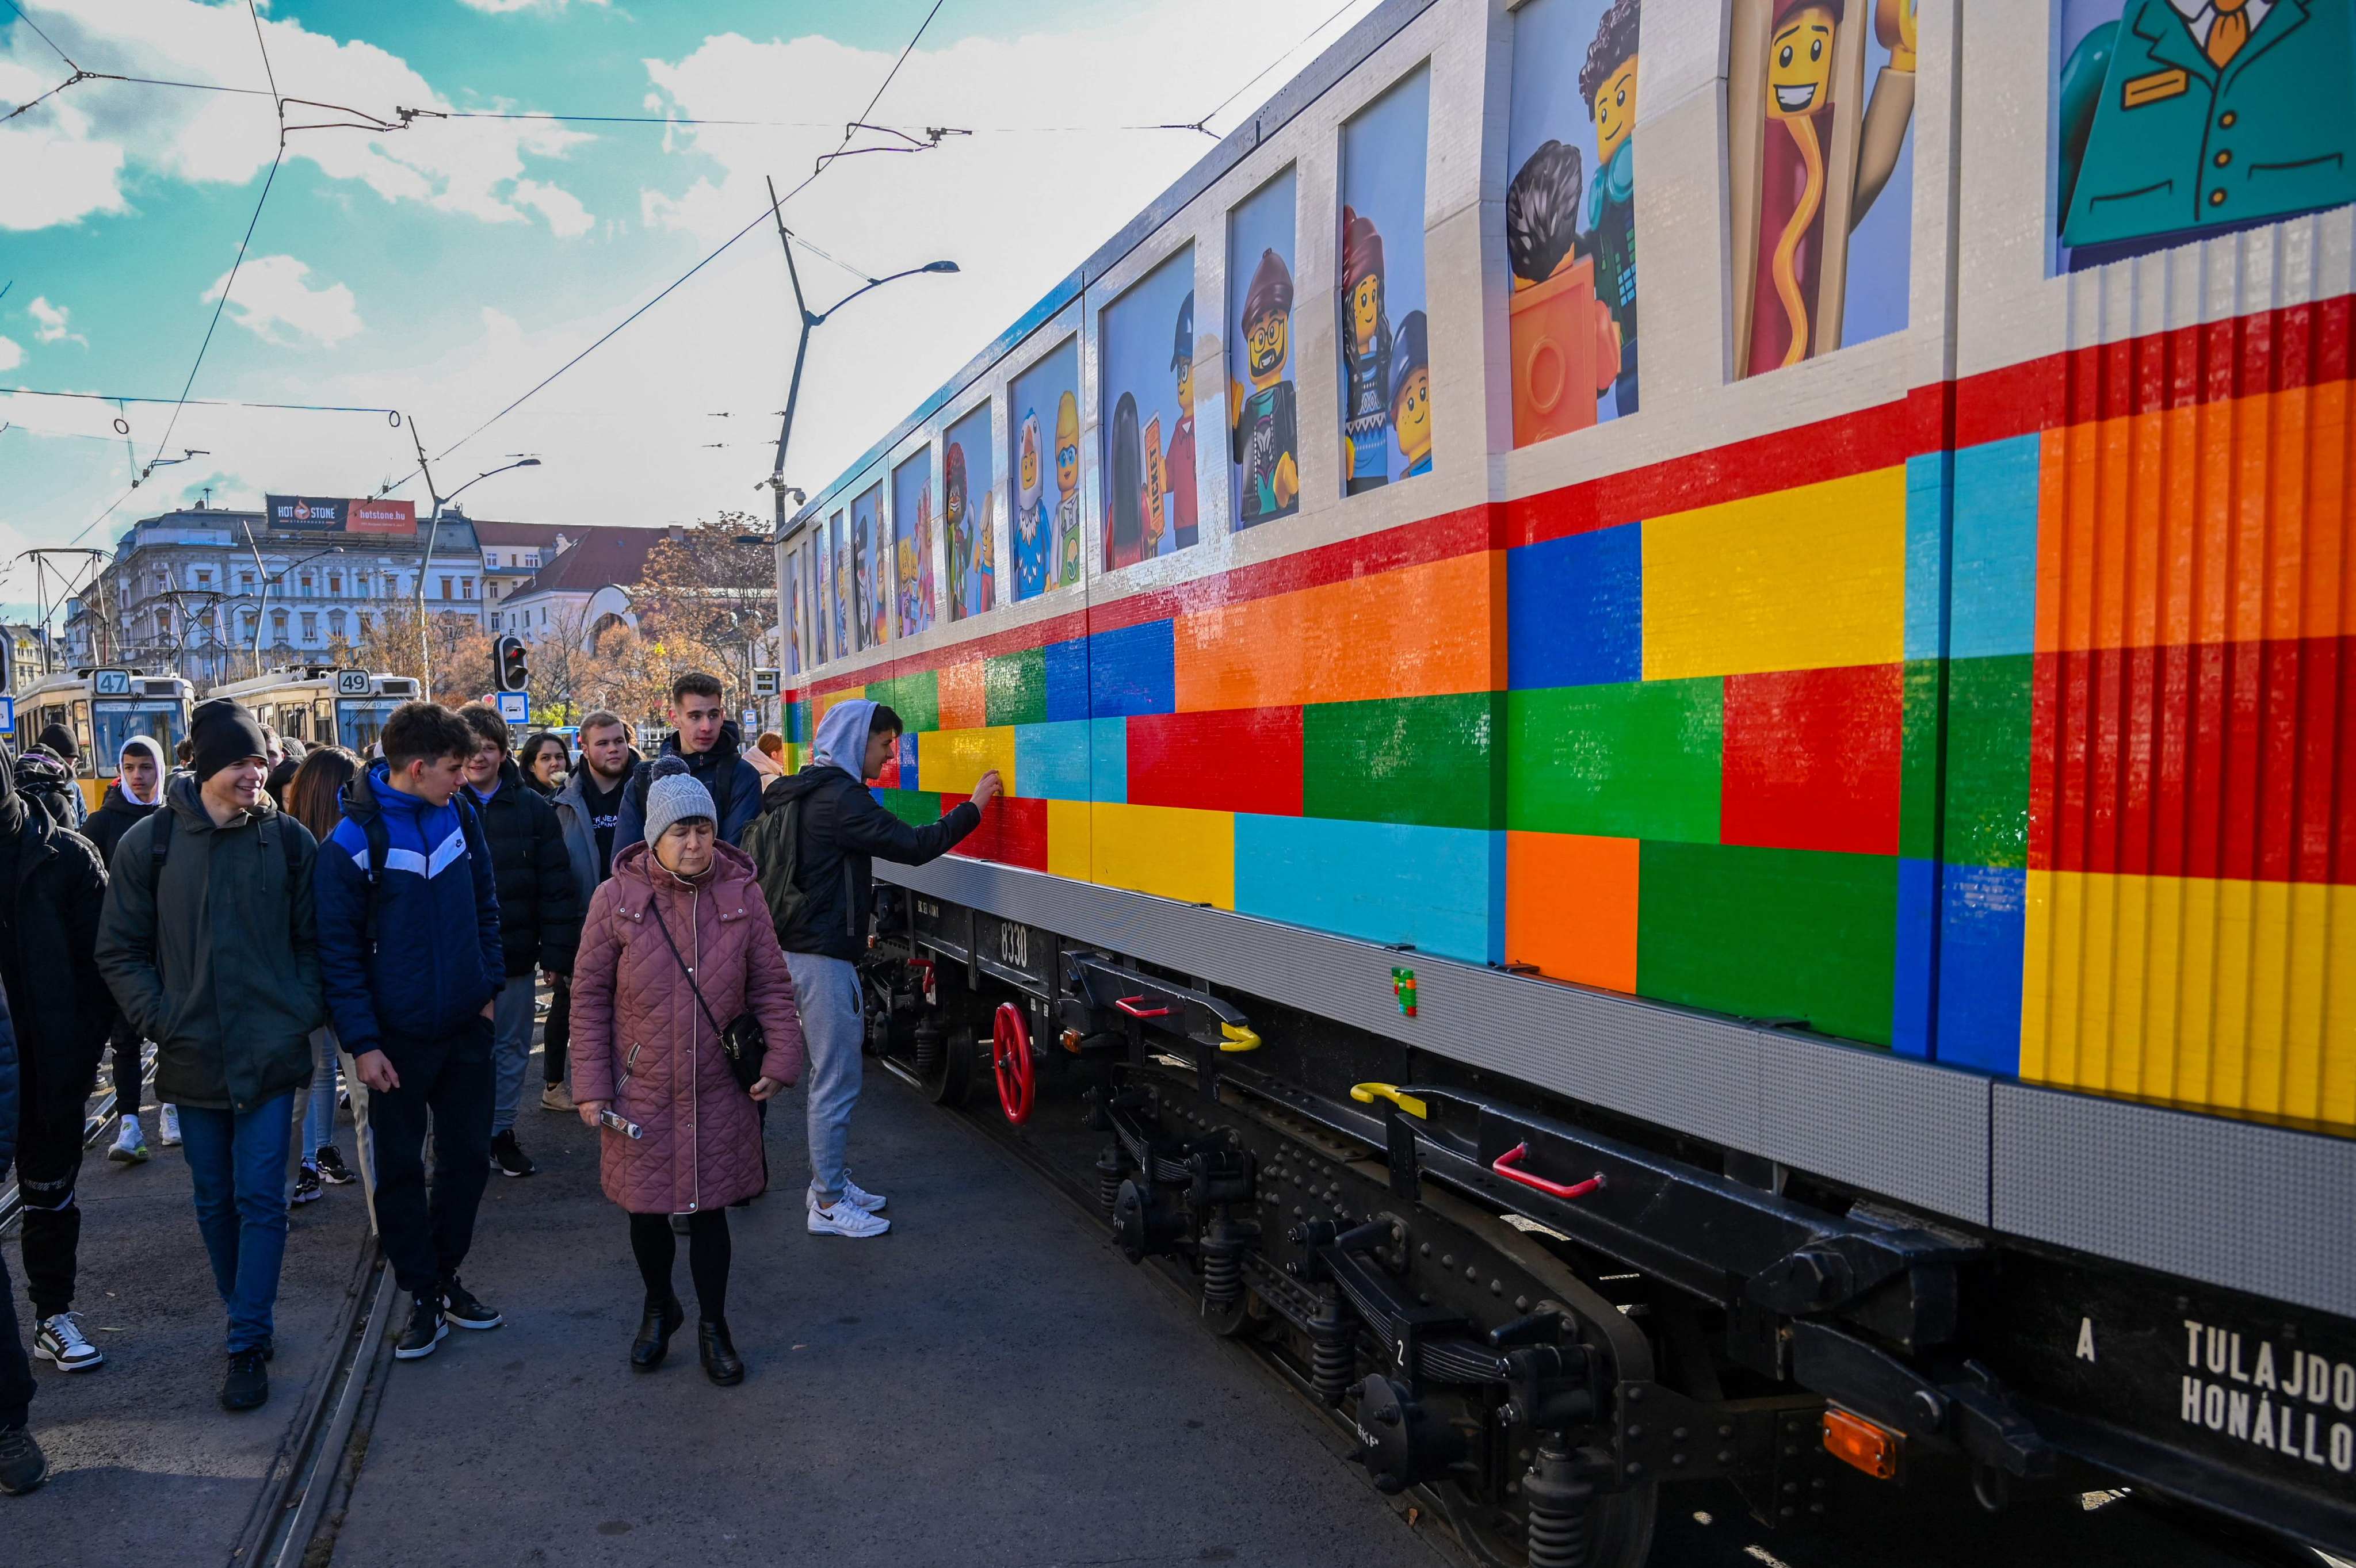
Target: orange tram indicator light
x=1853 y=1440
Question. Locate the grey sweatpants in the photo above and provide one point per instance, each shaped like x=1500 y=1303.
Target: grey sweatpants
x=832 y=1028
x=510 y=1049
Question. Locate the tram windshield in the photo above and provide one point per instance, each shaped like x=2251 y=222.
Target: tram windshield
x=361 y=719
x=118 y=722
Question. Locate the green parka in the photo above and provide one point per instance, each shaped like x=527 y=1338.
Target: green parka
x=214 y=955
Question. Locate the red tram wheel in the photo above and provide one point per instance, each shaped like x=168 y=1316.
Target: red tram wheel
x=1010 y=1060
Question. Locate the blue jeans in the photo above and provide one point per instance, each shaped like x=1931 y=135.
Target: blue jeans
x=510 y=1049
x=237 y=1163
x=834 y=1028
x=320 y=1113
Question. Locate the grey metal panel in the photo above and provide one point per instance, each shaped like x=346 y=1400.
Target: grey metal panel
x=2264 y=1210
x=1905 y=1129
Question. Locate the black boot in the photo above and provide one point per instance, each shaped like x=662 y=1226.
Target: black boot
x=720 y=1362
x=655 y=1329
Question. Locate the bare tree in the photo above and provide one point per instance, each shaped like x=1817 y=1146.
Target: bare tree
x=460 y=648
x=707 y=594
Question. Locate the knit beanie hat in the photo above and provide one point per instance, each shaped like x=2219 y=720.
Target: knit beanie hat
x=225 y=733
x=674 y=796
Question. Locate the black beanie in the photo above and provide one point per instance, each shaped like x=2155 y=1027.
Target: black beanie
x=225 y=734
x=58 y=738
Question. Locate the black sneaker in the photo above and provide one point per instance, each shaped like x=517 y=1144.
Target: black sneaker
x=331 y=1167
x=23 y=1466
x=511 y=1161
x=461 y=1308
x=427 y=1330
x=247 y=1387
x=306 y=1186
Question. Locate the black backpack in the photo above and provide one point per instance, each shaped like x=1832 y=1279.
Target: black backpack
x=775 y=842
x=160 y=847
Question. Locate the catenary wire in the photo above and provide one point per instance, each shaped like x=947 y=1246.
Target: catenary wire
x=200 y=402
x=44 y=36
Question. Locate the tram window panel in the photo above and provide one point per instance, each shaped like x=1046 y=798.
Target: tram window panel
x=1570 y=215
x=1146 y=425
x=871 y=612
x=81 y=735
x=1044 y=462
x=969 y=514
x=322 y=718
x=157 y=717
x=1264 y=437
x=912 y=542
x=1387 y=413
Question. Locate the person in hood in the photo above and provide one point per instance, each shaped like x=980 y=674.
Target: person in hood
x=840 y=830
x=45 y=776
x=588 y=809
x=709 y=741
x=539 y=913
x=23 y=1466
x=409 y=952
x=52 y=888
x=211 y=948
x=137 y=791
x=650 y=1049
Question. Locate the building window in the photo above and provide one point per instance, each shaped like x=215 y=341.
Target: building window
x=245 y=626
x=204 y=579
x=466 y=587
x=310 y=625
x=445 y=588
x=335 y=623
x=278 y=624
x=336 y=584
x=164 y=622
x=245 y=582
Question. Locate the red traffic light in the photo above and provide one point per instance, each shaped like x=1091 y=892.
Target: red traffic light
x=508 y=656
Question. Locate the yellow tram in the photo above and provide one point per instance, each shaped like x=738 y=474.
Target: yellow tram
x=322 y=705
x=102 y=707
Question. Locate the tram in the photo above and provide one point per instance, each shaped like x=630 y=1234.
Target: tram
x=322 y=705
x=101 y=708
x=1764 y=896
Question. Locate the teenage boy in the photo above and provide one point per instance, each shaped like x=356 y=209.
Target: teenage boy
x=840 y=830
x=539 y=913
x=52 y=889
x=209 y=944
x=137 y=791
x=23 y=1466
x=588 y=809
x=709 y=739
x=408 y=946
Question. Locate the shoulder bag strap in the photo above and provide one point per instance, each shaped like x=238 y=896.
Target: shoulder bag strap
x=654 y=907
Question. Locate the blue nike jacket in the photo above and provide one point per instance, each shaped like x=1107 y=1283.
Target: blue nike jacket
x=436 y=957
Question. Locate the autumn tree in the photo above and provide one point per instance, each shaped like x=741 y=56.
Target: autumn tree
x=460 y=648
x=705 y=599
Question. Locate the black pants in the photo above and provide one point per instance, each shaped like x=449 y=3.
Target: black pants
x=445 y=1084
x=15 y=1370
x=708 y=1251
x=48 y=1164
x=128 y=1073
x=556 y=1030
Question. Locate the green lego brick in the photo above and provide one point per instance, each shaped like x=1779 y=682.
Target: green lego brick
x=1640 y=759
x=1015 y=687
x=1793 y=933
x=1988 y=705
x=1917 y=793
x=916 y=807
x=917 y=697
x=1430 y=761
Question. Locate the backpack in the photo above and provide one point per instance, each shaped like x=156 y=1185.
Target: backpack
x=161 y=845
x=775 y=842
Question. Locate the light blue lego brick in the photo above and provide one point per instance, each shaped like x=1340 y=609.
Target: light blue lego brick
x=1439 y=889
x=1051 y=760
x=1109 y=759
x=1928 y=505
x=1992 y=570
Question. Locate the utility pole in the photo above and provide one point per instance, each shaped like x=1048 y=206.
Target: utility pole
x=432 y=532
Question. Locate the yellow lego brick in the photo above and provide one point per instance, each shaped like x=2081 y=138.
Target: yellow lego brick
x=1170 y=851
x=953 y=760
x=1812 y=577
x=1067 y=838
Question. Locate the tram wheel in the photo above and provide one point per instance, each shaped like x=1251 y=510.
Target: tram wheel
x=1010 y=1062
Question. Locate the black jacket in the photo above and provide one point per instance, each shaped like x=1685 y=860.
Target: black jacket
x=214 y=955
x=734 y=783
x=843 y=829
x=111 y=820
x=539 y=907
x=56 y=888
x=8 y=1100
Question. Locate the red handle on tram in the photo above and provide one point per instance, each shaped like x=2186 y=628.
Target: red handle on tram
x=1508 y=1165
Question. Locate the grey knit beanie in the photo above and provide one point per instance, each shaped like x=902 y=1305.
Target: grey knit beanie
x=674 y=796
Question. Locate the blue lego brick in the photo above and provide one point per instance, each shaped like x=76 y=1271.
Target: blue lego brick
x=1992 y=565
x=1983 y=923
x=1109 y=759
x=908 y=771
x=1132 y=670
x=1929 y=509
x=1065 y=666
x=1051 y=760
x=1440 y=889
x=1576 y=610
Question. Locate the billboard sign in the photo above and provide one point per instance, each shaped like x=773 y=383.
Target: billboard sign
x=380 y=517
x=305 y=512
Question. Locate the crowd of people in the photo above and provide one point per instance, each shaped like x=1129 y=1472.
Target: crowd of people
x=292 y=928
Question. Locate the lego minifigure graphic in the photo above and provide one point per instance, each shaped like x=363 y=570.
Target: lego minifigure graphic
x=1178 y=465
x=958 y=526
x=1366 y=354
x=1267 y=435
x=1067 y=486
x=1802 y=118
x=2185 y=117
x=843 y=589
x=1410 y=399
x=1157 y=489
x=1608 y=82
x=1124 y=489
x=985 y=555
x=916 y=560
x=1031 y=521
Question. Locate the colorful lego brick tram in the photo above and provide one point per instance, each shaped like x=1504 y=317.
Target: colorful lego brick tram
x=1793 y=868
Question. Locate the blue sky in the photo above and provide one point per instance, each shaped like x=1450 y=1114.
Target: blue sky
x=445 y=267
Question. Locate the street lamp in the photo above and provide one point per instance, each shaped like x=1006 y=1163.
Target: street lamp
x=433 y=532
x=811 y=319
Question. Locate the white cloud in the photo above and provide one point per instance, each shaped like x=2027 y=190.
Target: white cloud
x=501 y=7
x=269 y=293
x=78 y=153
x=52 y=319
x=12 y=354
x=567 y=218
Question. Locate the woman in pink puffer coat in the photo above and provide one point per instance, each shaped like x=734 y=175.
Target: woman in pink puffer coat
x=644 y=1046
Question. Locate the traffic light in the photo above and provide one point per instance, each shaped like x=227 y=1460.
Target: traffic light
x=513 y=673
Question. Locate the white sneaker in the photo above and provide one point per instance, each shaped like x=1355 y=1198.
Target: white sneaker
x=129 y=1144
x=858 y=1196
x=59 y=1339
x=845 y=1219
x=168 y=1126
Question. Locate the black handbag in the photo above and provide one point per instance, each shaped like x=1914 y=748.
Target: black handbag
x=742 y=1042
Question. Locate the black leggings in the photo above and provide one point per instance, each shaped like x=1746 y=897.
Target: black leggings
x=707 y=1258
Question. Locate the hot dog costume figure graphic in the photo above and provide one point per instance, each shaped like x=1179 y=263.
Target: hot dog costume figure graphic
x=1809 y=166
x=2185 y=117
